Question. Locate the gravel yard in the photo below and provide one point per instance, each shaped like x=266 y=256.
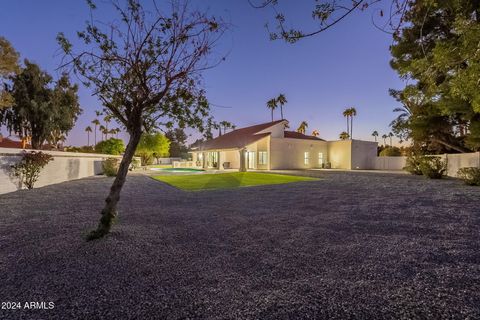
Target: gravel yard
x=349 y=246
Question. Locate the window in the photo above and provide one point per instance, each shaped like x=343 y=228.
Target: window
x=320 y=159
x=262 y=157
x=306 y=158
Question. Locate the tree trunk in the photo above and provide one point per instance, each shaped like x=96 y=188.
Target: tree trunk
x=109 y=212
x=451 y=146
x=348 y=127
x=272 y=115
x=351 y=127
x=281 y=111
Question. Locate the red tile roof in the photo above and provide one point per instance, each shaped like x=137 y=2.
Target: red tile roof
x=8 y=143
x=244 y=136
x=298 y=135
x=238 y=138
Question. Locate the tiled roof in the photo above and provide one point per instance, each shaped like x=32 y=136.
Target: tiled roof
x=239 y=138
x=8 y=143
x=298 y=135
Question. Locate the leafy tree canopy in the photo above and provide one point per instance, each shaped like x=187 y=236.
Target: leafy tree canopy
x=178 y=140
x=152 y=145
x=111 y=146
x=8 y=67
x=42 y=108
x=437 y=51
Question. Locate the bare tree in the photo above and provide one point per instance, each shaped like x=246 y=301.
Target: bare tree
x=145 y=67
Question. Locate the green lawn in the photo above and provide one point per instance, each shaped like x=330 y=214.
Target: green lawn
x=196 y=182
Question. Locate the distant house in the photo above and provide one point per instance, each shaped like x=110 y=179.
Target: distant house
x=268 y=146
x=9 y=143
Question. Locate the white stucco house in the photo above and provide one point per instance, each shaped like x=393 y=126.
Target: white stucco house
x=269 y=146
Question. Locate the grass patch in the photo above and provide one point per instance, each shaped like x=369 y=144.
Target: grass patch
x=196 y=182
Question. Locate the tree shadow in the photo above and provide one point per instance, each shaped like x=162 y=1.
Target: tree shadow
x=6 y=164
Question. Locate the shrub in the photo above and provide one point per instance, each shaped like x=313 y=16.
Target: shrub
x=390 y=152
x=135 y=164
x=433 y=167
x=111 y=146
x=29 y=167
x=110 y=166
x=412 y=164
x=470 y=175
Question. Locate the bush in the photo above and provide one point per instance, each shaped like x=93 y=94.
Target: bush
x=135 y=164
x=390 y=152
x=433 y=167
x=29 y=167
x=412 y=164
x=470 y=175
x=111 y=146
x=110 y=166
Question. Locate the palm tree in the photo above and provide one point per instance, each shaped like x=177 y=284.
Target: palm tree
x=384 y=139
x=117 y=131
x=281 y=100
x=353 y=113
x=315 y=133
x=390 y=135
x=107 y=120
x=88 y=129
x=226 y=125
x=102 y=130
x=344 y=135
x=375 y=135
x=272 y=105
x=346 y=114
x=96 y=123
x=302 y=127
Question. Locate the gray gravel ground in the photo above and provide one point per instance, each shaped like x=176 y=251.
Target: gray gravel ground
x=350 y=246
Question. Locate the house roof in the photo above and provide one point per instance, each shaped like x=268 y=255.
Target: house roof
x=239 y=138
x=298 y=135
x=9 y=143
x=244 y=136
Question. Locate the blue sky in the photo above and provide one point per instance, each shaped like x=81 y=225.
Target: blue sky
x=321 y=76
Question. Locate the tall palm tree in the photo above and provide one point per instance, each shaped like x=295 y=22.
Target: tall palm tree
x=96 y=123
x=344 y=135
x=107 y=120
x=315 y=133
x=272 y=105
x=102 y=130
x=375 y=135
x=384 y=139
x=117 y=131
x=353 y=113
x=346 y=114
x=88 y=130
x=281 y=100
x=390 y=135
x=302 y=127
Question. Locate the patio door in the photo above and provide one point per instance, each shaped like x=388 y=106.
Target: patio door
x=250 y=159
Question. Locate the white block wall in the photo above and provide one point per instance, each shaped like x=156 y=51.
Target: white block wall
x=64 y=167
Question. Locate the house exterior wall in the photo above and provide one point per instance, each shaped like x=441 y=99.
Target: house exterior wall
x=339 y=154
x=232 y=156
x=261 y=145
x=286 y=153
x=363 y=154
x=65 y=166
x=276 y=131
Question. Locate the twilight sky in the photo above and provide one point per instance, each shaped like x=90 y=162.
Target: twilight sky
x=345 y=66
